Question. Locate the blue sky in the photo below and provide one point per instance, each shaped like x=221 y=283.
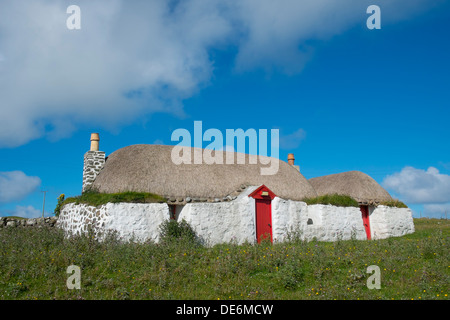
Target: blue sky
x=343 y=97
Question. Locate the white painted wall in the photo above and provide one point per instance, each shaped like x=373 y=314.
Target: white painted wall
x=327 y=223
x=388 y=222
x=234 y=221
x=288 y=217
x=136 y=220
x=223 y=222
x=334 y=223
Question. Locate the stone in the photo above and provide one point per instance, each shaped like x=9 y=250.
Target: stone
x=188 y=199
x=11 y=223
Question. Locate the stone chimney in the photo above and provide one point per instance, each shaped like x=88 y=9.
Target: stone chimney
x=291 y=160
x=93 y=162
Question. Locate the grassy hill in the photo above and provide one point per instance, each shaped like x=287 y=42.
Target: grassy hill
x=33 y=264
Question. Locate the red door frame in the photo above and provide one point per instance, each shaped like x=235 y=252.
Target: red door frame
x=365 y=218
x=263 y=212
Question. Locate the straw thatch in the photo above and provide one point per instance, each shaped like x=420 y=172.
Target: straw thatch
x=356 y=184
x=149 y=168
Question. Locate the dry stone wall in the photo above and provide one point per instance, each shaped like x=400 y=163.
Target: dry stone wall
x=8 y=222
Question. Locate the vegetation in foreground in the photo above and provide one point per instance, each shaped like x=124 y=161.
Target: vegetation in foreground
x=34 y=262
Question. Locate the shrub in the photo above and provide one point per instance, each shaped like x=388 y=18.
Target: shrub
x=171 y=231
x=290 y=275
x=59 y=205
x=333 y=199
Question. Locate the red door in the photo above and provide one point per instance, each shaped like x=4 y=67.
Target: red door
x=263 y=219
x=263 y=211
x=365 y=217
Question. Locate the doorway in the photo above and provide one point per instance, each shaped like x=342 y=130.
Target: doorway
x=365 y=218
x=263 y=213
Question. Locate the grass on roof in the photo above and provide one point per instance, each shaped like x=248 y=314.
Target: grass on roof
x=96 y=199
x=333 y=199
x=394 y=203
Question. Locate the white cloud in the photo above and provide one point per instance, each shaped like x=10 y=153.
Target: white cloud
x=15 y=185
x=420 y=186
x=134 y=58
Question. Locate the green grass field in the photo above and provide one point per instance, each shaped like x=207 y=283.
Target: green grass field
x=34 y=261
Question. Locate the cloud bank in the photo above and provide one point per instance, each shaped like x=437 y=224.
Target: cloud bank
x=16 y=185
x=24 y=212
x=134 y=58
x=417 y=186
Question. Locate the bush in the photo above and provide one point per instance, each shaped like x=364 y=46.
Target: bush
x=59 y=205
x=173 y=231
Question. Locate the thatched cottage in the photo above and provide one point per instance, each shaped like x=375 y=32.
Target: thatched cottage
x=228 y=202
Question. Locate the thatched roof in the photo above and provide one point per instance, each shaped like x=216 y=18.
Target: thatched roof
x=149 y=168
x=356 y=184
